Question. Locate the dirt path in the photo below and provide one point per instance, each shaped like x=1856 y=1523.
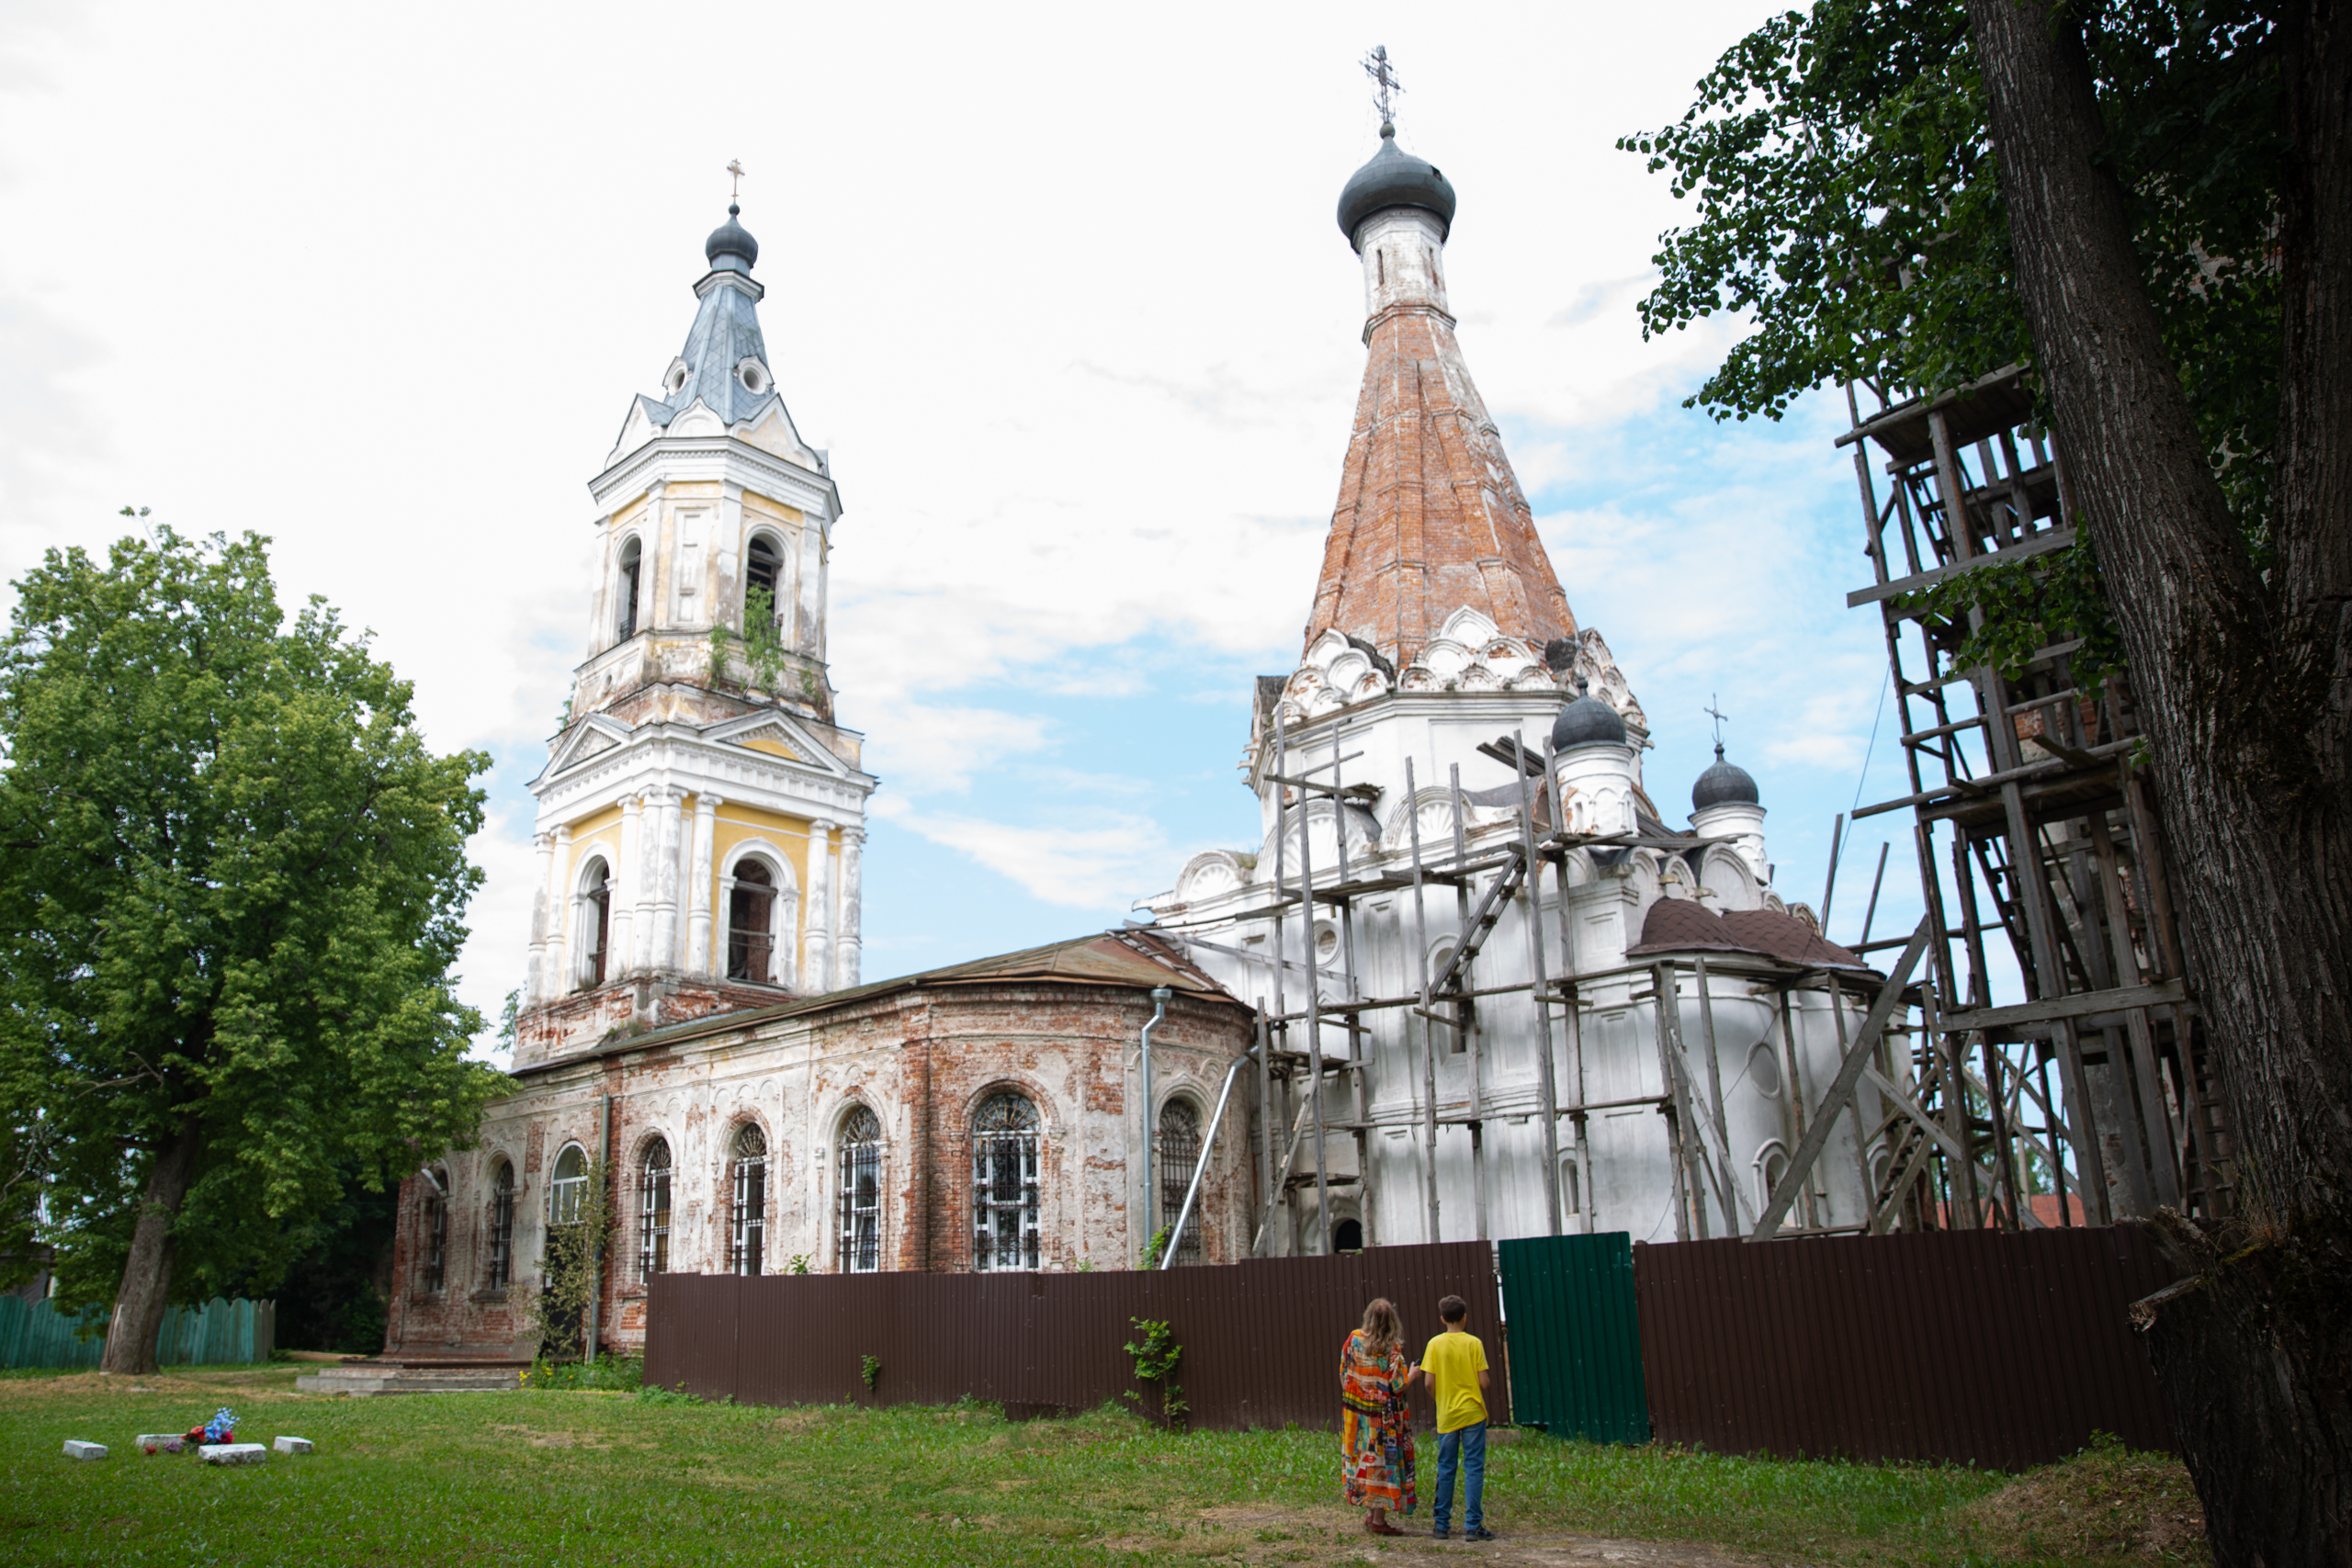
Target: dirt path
x=1266 y=1535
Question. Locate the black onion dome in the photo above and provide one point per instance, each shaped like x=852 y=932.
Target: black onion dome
x=731 y=239
x=1393 y=178
x=1587 y=721
x=1725 y=783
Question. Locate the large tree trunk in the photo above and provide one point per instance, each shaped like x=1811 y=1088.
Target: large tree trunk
x=2244 y=685
x=146 y=1291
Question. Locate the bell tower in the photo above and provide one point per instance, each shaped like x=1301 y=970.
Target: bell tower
x=701 y=816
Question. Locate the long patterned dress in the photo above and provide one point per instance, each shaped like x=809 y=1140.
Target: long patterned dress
x=1376 y=1429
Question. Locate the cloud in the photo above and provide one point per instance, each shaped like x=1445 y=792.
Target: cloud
x=1096 y=864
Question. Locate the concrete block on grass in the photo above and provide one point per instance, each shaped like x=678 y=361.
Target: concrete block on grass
x=160 y=1442
x=232 y=1453
x=76 y=1449
x=295 y=1446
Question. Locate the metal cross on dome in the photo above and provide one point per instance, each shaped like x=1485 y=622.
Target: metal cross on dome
x=1376 y=65
x=735 y=186
x=1718 y=715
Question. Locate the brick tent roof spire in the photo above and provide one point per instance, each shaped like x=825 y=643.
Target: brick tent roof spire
x=1430 y=518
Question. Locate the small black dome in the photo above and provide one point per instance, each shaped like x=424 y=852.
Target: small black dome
x=1725 y=784
x=731 y=239
x=1588 y=721
x=1393 y=178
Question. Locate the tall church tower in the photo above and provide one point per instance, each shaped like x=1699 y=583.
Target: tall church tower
x=701 y=813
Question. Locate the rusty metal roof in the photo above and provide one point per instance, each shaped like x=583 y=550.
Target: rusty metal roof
x=1131 y=959
x=1683 y=925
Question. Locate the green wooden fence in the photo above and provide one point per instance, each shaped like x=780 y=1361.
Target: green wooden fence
x=35 y=1334
x=1575 y=1344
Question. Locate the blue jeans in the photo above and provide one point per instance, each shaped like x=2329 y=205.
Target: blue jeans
x=1467 y=1449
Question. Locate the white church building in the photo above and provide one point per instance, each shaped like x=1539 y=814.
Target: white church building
x=1439 y=642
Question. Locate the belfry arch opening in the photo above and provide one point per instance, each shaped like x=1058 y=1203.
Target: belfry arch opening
x=595 y=921
x=751 y=917
x=631 y=572
x=764 y=568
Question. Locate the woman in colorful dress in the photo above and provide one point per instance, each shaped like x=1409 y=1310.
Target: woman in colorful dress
x=1376 y=1429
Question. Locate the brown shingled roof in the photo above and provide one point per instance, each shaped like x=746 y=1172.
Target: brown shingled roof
x=1683 y=925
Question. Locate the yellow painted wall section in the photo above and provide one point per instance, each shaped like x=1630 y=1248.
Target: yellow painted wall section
x=737 y=823
x=755 y=505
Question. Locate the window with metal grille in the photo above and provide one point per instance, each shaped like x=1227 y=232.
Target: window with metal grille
x=748 y=1234
x=750 y=947
x=598 y=921
x=653 y=1211
x=632 y=568
x=861 y=1195
x=436 y=1233
x=1005 y=1184
x=567 y=1186
x=501 y=1226
x=1179 y=1150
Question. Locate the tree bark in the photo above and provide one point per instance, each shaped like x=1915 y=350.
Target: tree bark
x=2243 y=686
x=146 y=1291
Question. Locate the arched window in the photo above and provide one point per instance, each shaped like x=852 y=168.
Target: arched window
x=501 y=1226
x=653 y=1211
x=762 y=568
x=861 y=1195
x=1005 y=1184
x=632 y=568
x=1347 y=1236
x=1772 y=1165
x=568 y=1187
x=434 y=1270
x=1178 y=1151
x=596 y=922
x=751 y=910
x=748 y=1234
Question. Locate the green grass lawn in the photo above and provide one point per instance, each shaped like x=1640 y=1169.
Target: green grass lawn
x=566 y=1477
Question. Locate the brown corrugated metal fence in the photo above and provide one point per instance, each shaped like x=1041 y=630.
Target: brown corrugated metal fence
x=1260 y=1339
x=1972 y=1346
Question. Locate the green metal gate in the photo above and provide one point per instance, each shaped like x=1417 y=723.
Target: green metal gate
x=1576 y=1345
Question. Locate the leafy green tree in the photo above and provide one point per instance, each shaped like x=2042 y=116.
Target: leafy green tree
x=232 y=877
x=1841 y=166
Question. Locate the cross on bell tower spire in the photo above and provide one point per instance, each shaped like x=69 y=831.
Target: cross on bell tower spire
x=1384 y=83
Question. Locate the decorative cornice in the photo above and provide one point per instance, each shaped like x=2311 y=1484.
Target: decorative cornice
x=624 y=478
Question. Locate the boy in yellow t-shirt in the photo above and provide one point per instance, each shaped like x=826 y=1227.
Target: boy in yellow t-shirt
x=1455 y=1364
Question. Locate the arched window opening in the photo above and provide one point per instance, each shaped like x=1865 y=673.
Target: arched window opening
x=750 y=909
x=568 y=1187
x=653 y=1211
x=764 y=565
x=748 y=1234
x=598 y=924
x=632 y=570
x=1348 y=1236
x=1771 y=1166
x=501 y=1226
x=1571 y=1198
x=1005 y=1184
x=861 y=1194
x=437 y=1232
x=1178 y=1151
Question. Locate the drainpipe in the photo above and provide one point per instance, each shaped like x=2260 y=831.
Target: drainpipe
x=1201 y=1165
x=1159 y=995
x=596 y=1249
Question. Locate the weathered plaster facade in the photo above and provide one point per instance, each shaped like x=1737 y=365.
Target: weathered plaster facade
x=1059 y=1026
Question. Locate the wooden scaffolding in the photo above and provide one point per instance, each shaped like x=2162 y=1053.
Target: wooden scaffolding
x=2039 y=846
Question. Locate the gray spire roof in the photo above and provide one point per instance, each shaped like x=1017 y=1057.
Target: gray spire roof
x=725 y=362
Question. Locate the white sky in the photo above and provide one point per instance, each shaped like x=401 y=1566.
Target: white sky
x=1061 y=289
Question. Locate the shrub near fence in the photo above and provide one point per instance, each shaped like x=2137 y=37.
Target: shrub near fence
x=1260 y=1339
x=35 y=1334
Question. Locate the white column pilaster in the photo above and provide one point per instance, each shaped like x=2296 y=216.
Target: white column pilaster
x=662 y=884
x=620 y=934
x=816 y=969
x=699 y=869
x=543 y=915
x=554 y=971
x=849 y=950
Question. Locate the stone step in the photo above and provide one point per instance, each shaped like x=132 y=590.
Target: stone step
x=368 y=1378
